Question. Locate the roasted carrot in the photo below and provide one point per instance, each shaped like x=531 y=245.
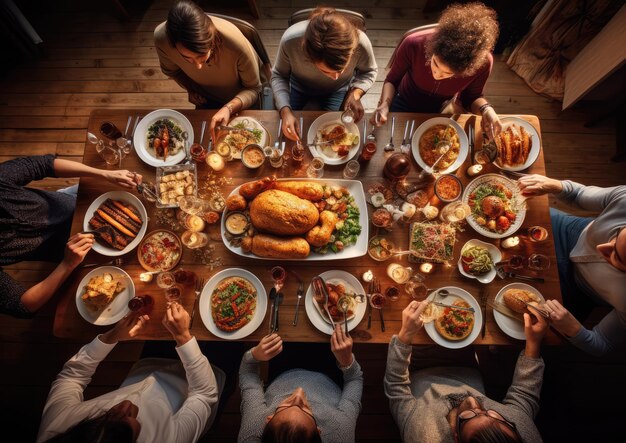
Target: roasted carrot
x=110 y=220
x=127 y=211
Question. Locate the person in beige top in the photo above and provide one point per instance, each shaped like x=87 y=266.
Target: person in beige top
x=211 y=59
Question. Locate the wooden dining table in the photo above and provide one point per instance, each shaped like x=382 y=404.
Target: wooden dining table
x=69 y=323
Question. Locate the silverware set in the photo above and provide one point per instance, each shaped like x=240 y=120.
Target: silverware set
x=405 y=147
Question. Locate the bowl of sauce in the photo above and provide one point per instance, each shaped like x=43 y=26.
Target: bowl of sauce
x=236 y=223
x=252 y=156
x=448 y=188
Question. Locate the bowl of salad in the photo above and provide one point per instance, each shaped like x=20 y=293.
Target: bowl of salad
x=478 y=260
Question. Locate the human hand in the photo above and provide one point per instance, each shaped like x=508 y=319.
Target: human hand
x=491 y=123
x=123 y=178
x=341 y=346
x=562 y=320
x=411 y=321
x=291 y=127
x=535 y=329
x=535 y=184
x=269 y=347
x=353 y=102
x=126 y=329
x=220 y=118
x=196 y=99
x=77 y=248
x=176 y=321
x=379 y=117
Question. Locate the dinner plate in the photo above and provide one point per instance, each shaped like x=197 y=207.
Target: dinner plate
x=478 y=319
x=205 y=304
x=335 y=276
x=331 y=158
x=495 y=254
x=250 y=123
x=463 y=150
x=534 y=149
x=356 y=250
x=140 y=140
x=117 y=309
x=509 y=326
x=512 y=186
x=126 y=197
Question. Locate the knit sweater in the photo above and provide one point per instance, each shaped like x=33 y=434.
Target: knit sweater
x=421 y=401
x=291 y=62
x=335 y=411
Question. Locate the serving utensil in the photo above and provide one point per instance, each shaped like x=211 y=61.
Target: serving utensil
x=299 y=294
x=102 y=229
x=389 y=146
x=197 y=290
x=115 y=262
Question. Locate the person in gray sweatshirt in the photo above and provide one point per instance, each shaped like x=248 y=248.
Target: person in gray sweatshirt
x=448 y=404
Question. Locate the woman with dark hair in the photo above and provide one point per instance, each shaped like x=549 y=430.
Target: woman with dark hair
x=161 y=400
x=211 y=59
x=325 y=60
x=444 y=69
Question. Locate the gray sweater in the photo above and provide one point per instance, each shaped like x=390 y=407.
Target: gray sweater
x=291 y=61
x=421 y=401
x=335 y=411
x=598 y=276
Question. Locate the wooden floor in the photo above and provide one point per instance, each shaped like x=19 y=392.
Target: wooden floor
x=94 y=60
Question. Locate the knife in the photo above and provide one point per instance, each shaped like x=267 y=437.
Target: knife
x=273 y=298
x=470 y=136
x=300 y=293
x=537 y=309
x=483 y=306
x=277 y=302
x=460 y=308
x=504 y=311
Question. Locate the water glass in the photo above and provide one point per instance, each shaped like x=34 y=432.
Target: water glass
x=297 y=154
x=276 y=158
x=351 y=169
x=173 y=293
x=316 y=168
x=193 y=205
x=392 y=293
x=538 y=262
x=165 y=280
x=416 y=289
x=194 y=240
x=110 y=154
x=398 y=273
x=455 y=212
x=141 y=303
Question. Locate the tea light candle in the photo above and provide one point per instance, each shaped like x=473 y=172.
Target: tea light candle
x=474 y=170
x=368 y=276
x=510 y=242
x=194 y=223
x=215 y=161
x=145 y=277
x=193 y=239
x=426 y=268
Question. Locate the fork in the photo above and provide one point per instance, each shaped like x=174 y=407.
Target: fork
x=197 y=289
x=380 y=311
x=115 y=262
x=403 y=145
x=99 y=231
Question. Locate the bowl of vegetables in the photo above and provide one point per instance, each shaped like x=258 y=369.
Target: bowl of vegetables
x=478 y=260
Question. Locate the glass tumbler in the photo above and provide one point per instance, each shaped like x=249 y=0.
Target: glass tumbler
x=165 y=280
x=316 y=168
x=351 y=169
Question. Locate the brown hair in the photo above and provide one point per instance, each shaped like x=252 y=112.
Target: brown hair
x=330 y=38
x=188 y=25
x=464 y=37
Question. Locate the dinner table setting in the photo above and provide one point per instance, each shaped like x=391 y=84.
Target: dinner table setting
x=255 y=233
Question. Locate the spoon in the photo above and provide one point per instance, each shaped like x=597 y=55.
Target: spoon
x=389 y=146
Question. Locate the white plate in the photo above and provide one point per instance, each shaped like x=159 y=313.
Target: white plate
x=117 y=309
x=205 y=304
x=321 y=122
x=512 y=186
x=478 y=319
x=250 y=123
x=496 y=256
x=313 y=313
x=463 y=150
x=127 y=198
x=356 y=250
x=140 y=140
x=510 y=327
x=534 y=149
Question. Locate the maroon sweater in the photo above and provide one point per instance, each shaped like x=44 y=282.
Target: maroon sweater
x=413 y=79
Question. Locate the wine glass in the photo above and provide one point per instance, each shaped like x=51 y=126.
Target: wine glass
x=278 y=275
x=193 y=205
x=538 y=262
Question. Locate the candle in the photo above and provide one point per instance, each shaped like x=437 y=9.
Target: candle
x=145 y=277
x=426 y=268
x=194 y=223
x=399 y=273
x=193 y=239
x=368 y=276
x=474 y=170
x=510 y=242
x=215 y=161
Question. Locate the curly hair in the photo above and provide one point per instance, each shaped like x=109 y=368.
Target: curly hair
x=188 y=25
x=330 y=38
x=464 y=37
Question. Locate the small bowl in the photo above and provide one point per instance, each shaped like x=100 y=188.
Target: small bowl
x=236 y=223
x=382 y=218
x=495 y=254
x=450 y=180
x=252 y=156
x=376 y=251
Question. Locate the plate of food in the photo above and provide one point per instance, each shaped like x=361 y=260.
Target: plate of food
x=103 y=294
x=160 y=250
x=510 y=297
x=233 y=304
x=518 y=144
x=297 y=219
x=498 y=209
x=477 y=260
x=253 y=132
x=159 y=137
x=428 y=140
x=334 y=141
x=175 y=182
x=431 y=242
x=340 y=285
x=449 y=327
x=126 y=217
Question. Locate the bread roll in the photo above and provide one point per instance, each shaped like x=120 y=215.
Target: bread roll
x=282 y=213
x=304 y=189
x=515 y=298
x=276 y=247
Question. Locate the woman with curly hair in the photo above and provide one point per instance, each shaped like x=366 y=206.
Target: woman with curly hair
x=445 y=67
x=325 y=60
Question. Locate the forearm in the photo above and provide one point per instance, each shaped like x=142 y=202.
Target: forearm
x=67 y=168
x=352 y=392
x=476 y=104
x=397 y=382
x=386 y=97
x=590 y=198
x=607 y=335
x=35 y=297
x=526 y=385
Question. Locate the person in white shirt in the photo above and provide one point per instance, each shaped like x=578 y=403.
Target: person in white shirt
x=161 y=400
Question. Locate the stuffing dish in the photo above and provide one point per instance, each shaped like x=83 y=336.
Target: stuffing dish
x=174 y=183
x=159 y=251
x=164 y=138
x=101 y=290
x=233 y=303
x=431 y=242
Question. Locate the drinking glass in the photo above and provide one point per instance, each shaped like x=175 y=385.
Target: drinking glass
x=455 y=212
x=416 y=289
x=537 y=233
x=278 y=275
x=392 y=293
x=398 y=273
x=193 y=205
x=351 y=169
x=297 y=154
x=538 y=262
x=165 y=280
x=194 y=240
x=109 y=154
x=173 y=293
x=141 y=303
x=276 y=158
x=347 y=116
x=516 y=262
x=316 y=168
x=110 y=131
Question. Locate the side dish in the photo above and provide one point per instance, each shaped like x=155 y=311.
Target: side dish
x=338 y=292
x=122 y=217
x=233 y=303
x=455 y=324
x=165 y=138
x=174 y=186
x=492 y=206
x=514 y=145
x=159 y=251
x=101 y=290
x=476 y=260
x=431 y=145
x=432 y=242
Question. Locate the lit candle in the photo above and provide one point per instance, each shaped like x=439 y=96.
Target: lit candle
x=426 y=268
x=194 y=223
x=193 y=239
x=145 y=277
x=510 y=242
x=215 y=161
x=368 y=276
x=474 y=170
